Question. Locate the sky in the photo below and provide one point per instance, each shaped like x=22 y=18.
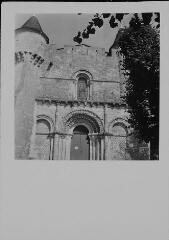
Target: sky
x=61 y=28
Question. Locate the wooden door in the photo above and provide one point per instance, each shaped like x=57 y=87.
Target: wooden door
x=80 y=144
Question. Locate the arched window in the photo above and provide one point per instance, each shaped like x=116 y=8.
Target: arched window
x=43 y=139
x=82 y=87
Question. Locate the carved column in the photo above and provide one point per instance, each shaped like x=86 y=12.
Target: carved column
x=107 y=147
x=98 y=148
x=102 y=147
x=51 y=146
x=91 y=155
x=62 y=147
x=68 y=146
x=56 y=147
x=94 y=147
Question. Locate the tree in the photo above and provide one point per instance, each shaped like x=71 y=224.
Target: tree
x=115 y=21
x=139 y=46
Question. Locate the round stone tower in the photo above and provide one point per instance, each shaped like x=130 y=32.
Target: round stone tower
x=30 y=45
x=30 y=36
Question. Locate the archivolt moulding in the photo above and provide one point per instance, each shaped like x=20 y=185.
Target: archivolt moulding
x=48 y=119
x=82 y=71
x=121 y=122
x=83 y=117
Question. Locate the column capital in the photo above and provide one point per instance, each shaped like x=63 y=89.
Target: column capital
x=62 y=136
x=69 y=136
x=92 y=137
x=65 y=135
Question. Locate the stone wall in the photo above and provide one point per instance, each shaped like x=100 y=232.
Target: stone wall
x=66 y=89
x=27 y=79
x=29 y=51
x=57 y=112
x=67 y=62
x=30 y=42
x=46 y=87
x=71 y=59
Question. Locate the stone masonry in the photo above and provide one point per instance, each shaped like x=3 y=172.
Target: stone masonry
x=57 y=90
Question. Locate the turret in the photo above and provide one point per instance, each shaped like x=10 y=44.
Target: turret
x=29 y=52
x=30 y=36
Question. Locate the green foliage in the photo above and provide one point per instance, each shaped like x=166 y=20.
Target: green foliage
x=114 y=21
x=98 y=22
x=140 y=48
x=106 y=15
x=146 y=18
x=78 y=38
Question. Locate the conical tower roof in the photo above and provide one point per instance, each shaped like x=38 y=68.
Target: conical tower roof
x=32 y=25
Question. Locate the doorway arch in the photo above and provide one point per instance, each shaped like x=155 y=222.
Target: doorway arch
x=85 y=126
x=80 y=144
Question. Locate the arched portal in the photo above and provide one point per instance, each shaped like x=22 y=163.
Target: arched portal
x=84 y=136
x=80 y=144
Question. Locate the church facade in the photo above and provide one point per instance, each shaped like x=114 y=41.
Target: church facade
x=68 y=102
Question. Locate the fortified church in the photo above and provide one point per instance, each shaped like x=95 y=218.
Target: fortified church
x=68 y=101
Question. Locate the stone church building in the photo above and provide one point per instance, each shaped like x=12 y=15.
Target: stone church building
x=68 y=101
